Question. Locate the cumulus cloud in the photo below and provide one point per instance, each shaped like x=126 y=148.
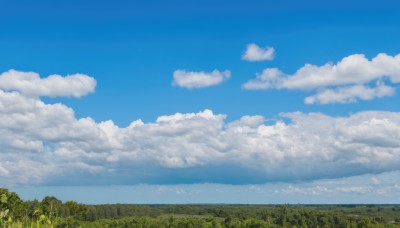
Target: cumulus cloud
x=344 y=82
x=255 y=53
x=30 y=84
x=350 y=94
x=46 y=143
x=202 y=79
x=264 y=80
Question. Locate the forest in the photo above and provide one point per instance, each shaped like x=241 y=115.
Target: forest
x=51 y=212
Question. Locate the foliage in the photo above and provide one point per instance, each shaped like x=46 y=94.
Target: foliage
x=51 y=212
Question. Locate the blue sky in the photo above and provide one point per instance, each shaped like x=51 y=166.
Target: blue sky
x=240 y=122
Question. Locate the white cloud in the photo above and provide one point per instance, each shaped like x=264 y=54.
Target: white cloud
x=264 y=80
x=255 y=53
x=30 y=84
x=344 y=82
x=45 y=143
x=374 y=189
x=355 y=189
x=350 y=94
x=374 y=181
x=313 y=190
x=195 y=80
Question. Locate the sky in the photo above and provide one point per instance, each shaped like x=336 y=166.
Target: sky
x=200 y=101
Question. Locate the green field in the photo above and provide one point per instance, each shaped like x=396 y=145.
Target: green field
x=51 y=212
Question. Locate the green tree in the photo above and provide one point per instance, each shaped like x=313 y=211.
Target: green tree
x=50 y=206
x=75 y=209
x=10 y=201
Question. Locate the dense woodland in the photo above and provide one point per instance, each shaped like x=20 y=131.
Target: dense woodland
x=51 y=212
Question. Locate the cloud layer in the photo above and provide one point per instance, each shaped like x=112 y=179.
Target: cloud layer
x=351 y=79
x=362 y=189
x=255 y=53
x=30 y=84
x=46 y=143
x=195 y=80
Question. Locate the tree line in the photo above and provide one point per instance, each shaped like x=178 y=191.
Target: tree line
x=52 y=212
